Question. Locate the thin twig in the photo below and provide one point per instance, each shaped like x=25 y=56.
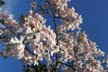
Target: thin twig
x=54 y=20
x=67 y=65
x=55 y=27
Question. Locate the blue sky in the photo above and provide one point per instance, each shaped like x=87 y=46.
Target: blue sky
x=95 y=15
x=95 y=18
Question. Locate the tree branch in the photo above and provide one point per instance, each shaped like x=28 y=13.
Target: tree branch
x=68 y=65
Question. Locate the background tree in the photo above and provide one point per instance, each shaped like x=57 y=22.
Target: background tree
x=41 y=49
x=2 y=2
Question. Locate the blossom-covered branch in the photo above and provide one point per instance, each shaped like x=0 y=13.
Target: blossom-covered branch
x=42 y=48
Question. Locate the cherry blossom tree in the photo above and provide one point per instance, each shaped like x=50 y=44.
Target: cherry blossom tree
x=66 y=48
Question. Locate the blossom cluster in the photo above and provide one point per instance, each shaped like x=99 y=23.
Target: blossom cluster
x=32 y=41
x=70 y=19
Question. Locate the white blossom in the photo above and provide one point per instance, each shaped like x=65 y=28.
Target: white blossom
x=43 y=42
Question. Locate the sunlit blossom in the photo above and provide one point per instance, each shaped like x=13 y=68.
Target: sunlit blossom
x=33 y=41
